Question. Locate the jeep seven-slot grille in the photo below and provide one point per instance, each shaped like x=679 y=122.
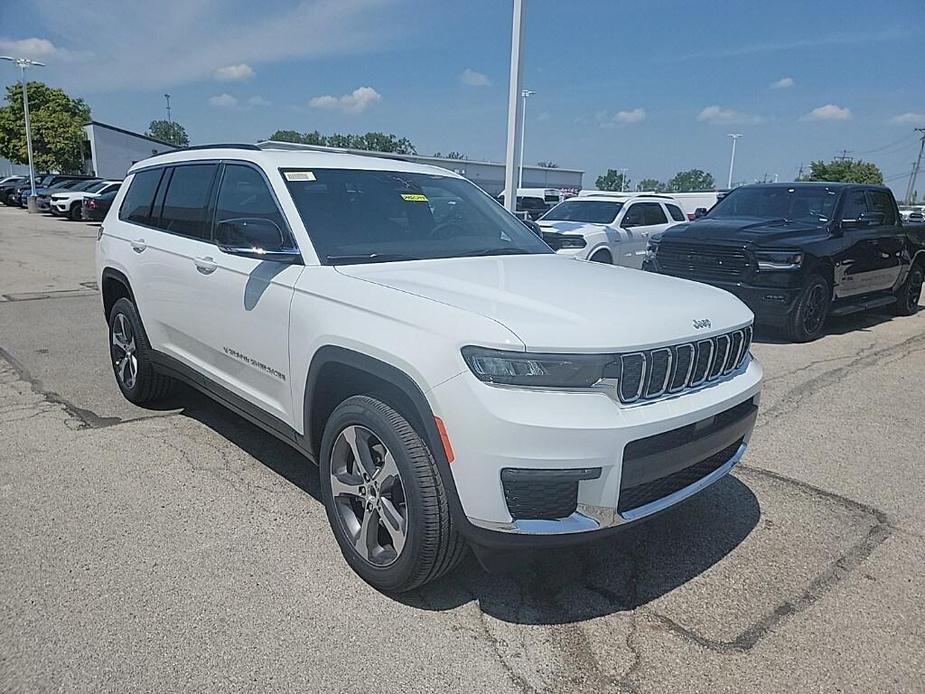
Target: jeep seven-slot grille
x=650 y=374
x=696 y=261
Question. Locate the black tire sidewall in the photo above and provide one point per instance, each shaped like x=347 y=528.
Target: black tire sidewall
x=127 y=308
x=607 y=258
x=356 y=410
x=797 y=332
x=904 y=307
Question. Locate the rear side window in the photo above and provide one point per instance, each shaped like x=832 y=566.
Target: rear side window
x=136 y=207
x=186 y=203
x=676 y=213
x=653 y=214
x=882 y=202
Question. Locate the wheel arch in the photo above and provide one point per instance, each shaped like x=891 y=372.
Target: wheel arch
x=114 y=285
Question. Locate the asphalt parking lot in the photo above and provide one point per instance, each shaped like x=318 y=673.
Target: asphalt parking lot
x=183 y=549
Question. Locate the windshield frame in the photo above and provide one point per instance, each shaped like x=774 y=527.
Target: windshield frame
x=522 y=239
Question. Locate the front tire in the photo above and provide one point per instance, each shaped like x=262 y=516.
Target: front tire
x=384 y=497
x=130 y=355
x=74 y=213
x=908 y=296
x=602 y=257
x=807 y=320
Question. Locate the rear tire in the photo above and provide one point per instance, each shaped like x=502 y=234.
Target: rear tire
x=130 y=355
x=388 y=508
x=909 y=295
x=807 y=320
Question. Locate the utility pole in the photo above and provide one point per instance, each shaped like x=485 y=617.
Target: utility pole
x=732 y=159
x=525 y=94
x=167 y=96
x=844 y=155
x=915 y=169
x=23 y=63
x=623 y=178
x=800 y=172
x=513 y=107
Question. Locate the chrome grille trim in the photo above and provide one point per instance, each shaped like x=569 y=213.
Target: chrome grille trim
x=724 y=357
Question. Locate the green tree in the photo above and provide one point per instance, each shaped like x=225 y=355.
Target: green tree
x=612 y=179
x=57 y=122
x=650 y=184
x=168 y=131
x=371 y=141
x=845 y=170
x=689 y=181
x=548 y=164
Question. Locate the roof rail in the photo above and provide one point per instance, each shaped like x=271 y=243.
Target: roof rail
x=219 y=145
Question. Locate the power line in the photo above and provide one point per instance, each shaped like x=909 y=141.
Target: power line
x=844 y=154
x=903 y=139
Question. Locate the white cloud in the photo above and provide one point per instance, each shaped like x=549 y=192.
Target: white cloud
x=828 y=112
x=195 y=37
x=257 y=101
x=234 y=73
x=908 y=119
x=544 y=116
x=717 y=115
x=223 y=101
x=783 y=83
x=356 y=101
x=605 y=120
x=474 y=79
x=28 y=48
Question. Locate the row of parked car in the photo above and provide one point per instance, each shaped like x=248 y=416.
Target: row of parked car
x=74 y=196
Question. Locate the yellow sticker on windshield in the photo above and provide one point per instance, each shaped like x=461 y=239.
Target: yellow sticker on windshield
x=414 y=197
x=300 y=176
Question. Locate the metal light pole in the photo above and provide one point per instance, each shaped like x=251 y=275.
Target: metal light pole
x=513 y=105
x=167 y=96
x=732 y=159
x=23 y=63
x=524 y=94
x=623 y=178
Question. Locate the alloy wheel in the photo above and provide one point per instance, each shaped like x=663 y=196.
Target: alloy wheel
x=368 y=495
x=815 y=309
x=915 y=289
x=124 y=359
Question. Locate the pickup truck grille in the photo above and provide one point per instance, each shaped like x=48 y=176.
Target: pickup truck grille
x=653 y=373
x=702 y=261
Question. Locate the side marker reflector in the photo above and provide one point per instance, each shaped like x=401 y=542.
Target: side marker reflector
x=444 y=439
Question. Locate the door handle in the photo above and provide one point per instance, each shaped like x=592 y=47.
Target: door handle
x=138 y=245
x=206 y=265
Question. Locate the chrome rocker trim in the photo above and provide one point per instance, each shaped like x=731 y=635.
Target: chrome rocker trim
x=590 y=518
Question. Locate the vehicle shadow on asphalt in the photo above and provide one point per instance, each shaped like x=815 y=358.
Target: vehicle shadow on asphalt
x=557 y=586
x=615 y=574
x=839 y=325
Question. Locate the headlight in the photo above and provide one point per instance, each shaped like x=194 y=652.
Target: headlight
x=572 y=241
x=778 y=260
x=540 y=370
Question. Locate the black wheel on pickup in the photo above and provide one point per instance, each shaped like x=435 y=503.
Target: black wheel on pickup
x=810 y=310
x=74 y=213
x=909 y=294
x=385 y=498
x=130 y=353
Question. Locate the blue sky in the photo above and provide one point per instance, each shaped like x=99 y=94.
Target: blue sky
x=654 y=87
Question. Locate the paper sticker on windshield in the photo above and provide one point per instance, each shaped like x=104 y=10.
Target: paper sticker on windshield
x=300 y=176
x=413 y=197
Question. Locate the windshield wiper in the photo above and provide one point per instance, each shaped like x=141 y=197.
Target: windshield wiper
x=367 y=258
x=493 y=251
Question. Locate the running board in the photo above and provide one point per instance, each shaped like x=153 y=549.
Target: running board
x=863 y=306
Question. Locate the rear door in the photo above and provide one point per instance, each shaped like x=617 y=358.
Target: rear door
x=888 y=240
x=858 y=265
x=640 y=221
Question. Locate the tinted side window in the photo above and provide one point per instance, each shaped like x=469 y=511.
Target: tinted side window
x=676 y=213
x=855 y=205
x=653 y=213
x=136 y=207
x=186 y=203
x=244 y=195
x=634 y=216
x=881 y=201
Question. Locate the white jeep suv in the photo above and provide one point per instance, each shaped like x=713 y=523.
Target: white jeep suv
x=68 y=203
x=457 y=382
x=611 y=228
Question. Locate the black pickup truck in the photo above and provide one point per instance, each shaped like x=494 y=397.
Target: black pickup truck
x=797 y=253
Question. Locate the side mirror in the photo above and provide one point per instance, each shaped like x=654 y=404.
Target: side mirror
x=533 y=226
x=255 y=237
x=700 y=212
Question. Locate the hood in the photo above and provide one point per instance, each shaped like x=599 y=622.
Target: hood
x=554 y=303
x=563 y=227
x=746 y=231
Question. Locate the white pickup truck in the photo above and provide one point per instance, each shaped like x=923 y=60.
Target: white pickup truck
x=611 y=228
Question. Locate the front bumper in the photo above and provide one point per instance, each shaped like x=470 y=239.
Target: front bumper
x=493 y=429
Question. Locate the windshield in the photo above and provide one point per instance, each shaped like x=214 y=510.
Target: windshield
x=99 y=185
x=356 y=216
x=590 y=211
x=800 y=203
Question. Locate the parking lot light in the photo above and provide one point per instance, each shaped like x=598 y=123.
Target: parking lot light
x=524 y=94
x=732 y=159
x=23 y=63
